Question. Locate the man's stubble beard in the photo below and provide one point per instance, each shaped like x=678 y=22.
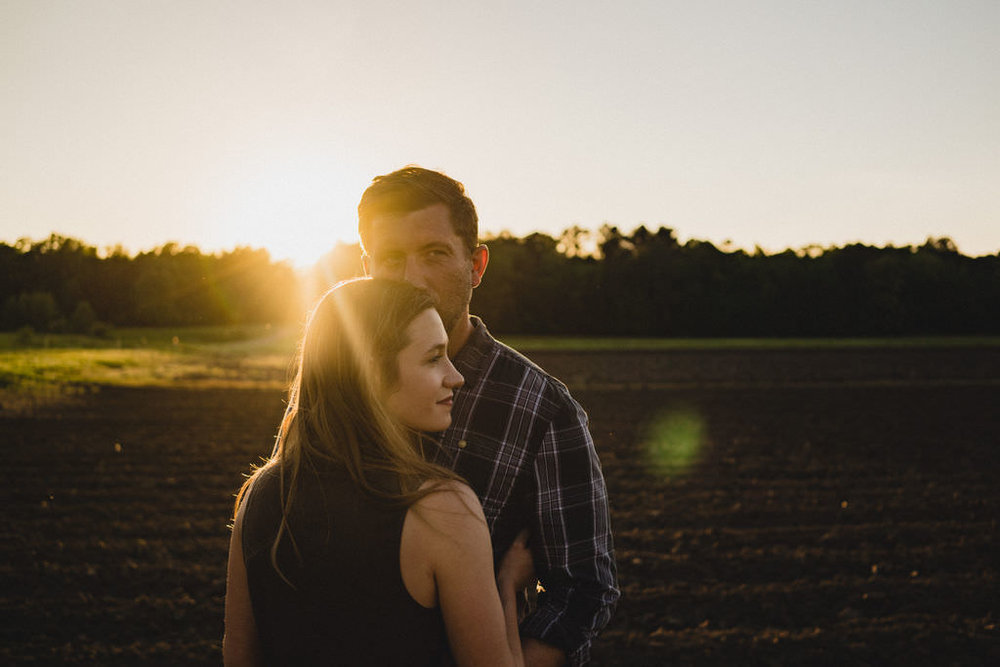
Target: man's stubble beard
x=456 y=309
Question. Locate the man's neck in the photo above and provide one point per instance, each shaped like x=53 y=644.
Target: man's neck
x=459 y=335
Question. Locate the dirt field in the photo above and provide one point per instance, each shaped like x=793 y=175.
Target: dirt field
x=769 y=508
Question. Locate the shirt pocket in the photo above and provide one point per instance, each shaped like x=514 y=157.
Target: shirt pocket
x=494 y=470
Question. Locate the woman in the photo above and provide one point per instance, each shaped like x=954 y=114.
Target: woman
x=348 y=546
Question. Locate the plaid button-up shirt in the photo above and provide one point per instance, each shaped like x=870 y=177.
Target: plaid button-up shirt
x=523 y=444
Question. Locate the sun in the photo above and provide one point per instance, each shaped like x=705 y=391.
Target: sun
x=302 y=241
x=297 y=209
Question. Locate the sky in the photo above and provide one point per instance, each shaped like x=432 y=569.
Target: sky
x=247 y=123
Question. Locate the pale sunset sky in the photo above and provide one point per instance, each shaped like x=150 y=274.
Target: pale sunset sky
x=778 y=123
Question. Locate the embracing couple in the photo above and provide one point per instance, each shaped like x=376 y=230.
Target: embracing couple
x=425 y=475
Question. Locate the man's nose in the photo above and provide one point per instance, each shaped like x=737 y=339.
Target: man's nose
x=412 y=273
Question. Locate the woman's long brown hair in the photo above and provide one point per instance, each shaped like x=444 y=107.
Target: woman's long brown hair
x=336 y=416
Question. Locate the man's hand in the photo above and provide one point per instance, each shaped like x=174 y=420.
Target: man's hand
x=540 y=654
x=517 y=565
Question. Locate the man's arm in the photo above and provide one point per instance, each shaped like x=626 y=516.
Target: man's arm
x=571 y=542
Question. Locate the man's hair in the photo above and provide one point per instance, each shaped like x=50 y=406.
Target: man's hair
x=414 y=188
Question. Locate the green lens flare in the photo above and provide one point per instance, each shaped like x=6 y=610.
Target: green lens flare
x=674 y=438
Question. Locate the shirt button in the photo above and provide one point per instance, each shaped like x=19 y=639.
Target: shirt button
x=462 y=444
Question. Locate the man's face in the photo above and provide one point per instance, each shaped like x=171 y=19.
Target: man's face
x=422 y=248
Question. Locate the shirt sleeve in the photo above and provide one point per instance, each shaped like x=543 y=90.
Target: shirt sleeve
x=574 y=552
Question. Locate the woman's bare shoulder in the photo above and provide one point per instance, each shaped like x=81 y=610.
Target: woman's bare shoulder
x=451 y=504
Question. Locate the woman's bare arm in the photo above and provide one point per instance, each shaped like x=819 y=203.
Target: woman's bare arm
x=240 y=645
x=481 y=620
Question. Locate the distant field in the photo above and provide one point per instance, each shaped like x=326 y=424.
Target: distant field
x=233 y=339
x=769 y=506
x=655 y=344
x=252 y=339
x=171 y=352
x=43 y=368
x=46 y=367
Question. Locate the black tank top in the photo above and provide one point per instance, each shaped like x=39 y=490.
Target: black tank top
x=349 y=605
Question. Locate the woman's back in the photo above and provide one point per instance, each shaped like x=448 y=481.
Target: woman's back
x=349 y=604
x=373 y=372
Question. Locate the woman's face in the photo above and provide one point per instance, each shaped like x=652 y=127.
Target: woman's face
x=421 y=397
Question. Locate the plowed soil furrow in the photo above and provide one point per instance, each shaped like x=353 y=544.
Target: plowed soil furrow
x=790 y=510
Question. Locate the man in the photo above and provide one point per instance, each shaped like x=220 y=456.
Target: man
x=517 y=435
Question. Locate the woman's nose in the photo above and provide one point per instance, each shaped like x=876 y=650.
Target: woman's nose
x=454 y=379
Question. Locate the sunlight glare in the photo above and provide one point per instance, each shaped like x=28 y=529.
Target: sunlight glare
x=674 y=438
x=297 y=208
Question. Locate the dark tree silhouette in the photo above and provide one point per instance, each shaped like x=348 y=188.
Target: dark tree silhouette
x=582 y=283
x=165 y=286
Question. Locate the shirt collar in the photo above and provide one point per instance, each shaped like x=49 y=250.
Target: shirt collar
x=469 y=360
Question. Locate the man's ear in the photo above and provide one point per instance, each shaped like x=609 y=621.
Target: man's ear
x=366 y=264
x=480 y=258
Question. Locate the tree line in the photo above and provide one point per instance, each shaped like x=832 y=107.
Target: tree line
x=649 y=284
x=62 y=284
x=582 y=283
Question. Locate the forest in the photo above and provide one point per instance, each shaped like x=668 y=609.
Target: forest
x=583 y=283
